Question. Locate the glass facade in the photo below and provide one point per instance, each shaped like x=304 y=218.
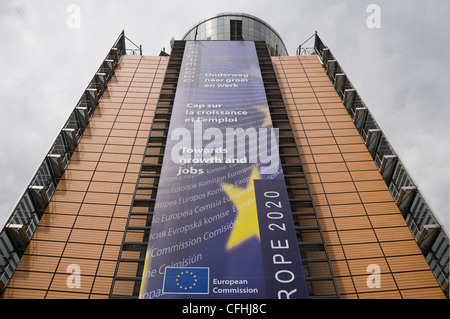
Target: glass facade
x=237 y=26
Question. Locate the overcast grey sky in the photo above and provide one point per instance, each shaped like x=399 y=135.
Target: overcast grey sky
x=399 y=69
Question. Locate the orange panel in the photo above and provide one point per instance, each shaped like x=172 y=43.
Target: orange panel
x=354 y=139
x=30 y=280
x=365 y=175
x=318 y=133
x=102 y=285
x=340 y=125
x=336 y=111
x=80 y=250
x=347 y=132
x=38 y=263
x=400 y=248
x=91 y=139
x=415 y=279
x=333 y=106
x=342 y=187
x=123 y=133
x=307 y=159
x=324 y=149
x=346 y=223
x=380 y=295
x=340 y=268
x=352 y=148
x=343 y=198
x=357 y=236
x=387 y=283
x=358 y=251
x=96 y=210
x=316 y=188
x=345 y=285
x=52 y=233
x=86 y=266
x=424 y=293
x=361 y=165
x=130 y=178
x=320 y=141
x=68 y=196
x=114 y=238
x=316 y=126
x=393 y=233
x=347 y=210
x=335 y=177
x=313 y=119
x=47 y=248
x=125 y=199
x=391 y=220
x=331 y=167
x=328 y=158
x=104 y=187
x=108 y=177
x=58 y=220
x=85 y=156
x=376 y=196
x=121 y=149
x=66 y=184
x=320 y=199
x=111 y=167
x=371 y=186
x=127 y=188
x=106 y=268
x=11 y=293
x=88 y=236
x=91 y=222
x=381 y=208
x=110 y=252
x=323 y=211
x=334 y=251
x=100 y=198
x=119 y=223
x=364 y=266
x=407 y=263
x=327 y=224
x=60 y=283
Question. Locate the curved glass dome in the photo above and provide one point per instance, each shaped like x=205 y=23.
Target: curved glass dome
x=237 y=26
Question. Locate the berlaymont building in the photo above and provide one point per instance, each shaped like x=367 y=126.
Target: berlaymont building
x=223 y=169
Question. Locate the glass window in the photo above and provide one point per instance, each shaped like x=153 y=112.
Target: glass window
x=235 y=30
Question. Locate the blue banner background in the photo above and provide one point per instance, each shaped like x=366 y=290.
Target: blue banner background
x=210 y=219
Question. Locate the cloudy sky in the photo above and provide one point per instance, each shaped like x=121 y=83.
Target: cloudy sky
x=399 y=69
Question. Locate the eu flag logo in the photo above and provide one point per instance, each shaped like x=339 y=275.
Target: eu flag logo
x=193 y=280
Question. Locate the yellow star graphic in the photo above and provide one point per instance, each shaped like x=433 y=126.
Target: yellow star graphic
x=147 y=265
x=247 y=218
x=267 y=118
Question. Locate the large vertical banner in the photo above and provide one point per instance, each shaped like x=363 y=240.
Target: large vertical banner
x=222 y=226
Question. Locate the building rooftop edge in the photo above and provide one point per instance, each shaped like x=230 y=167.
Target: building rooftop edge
x=222 y=14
